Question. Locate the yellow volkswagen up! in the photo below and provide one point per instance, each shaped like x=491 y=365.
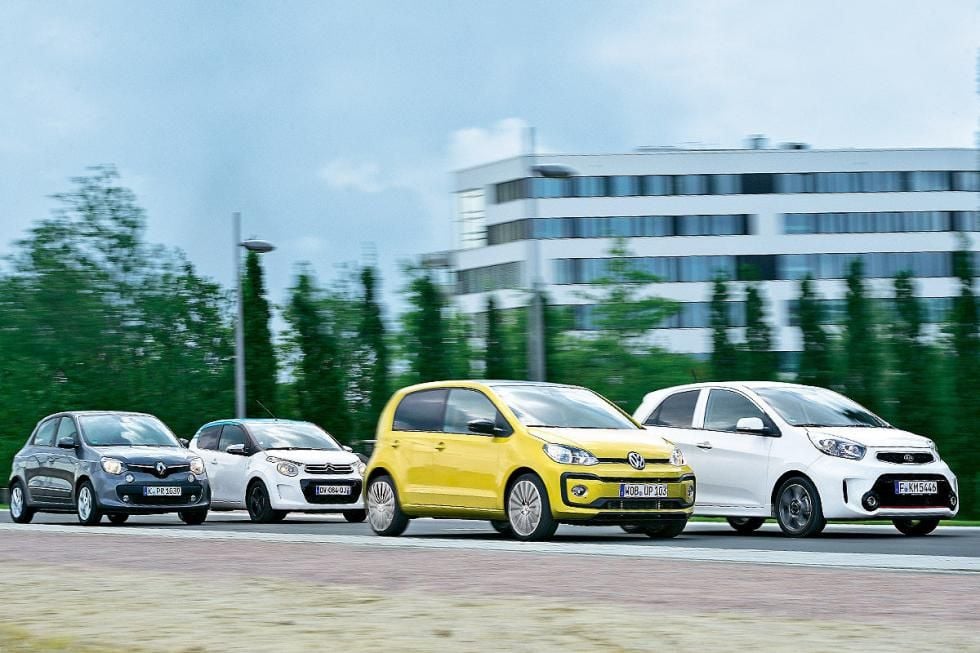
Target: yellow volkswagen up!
x=525 y=456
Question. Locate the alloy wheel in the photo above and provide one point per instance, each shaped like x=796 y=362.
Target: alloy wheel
x=380 y=505
x=84 y=503
x=17 y=502
x=524 y=508
x=256 y=501
x=795 y=507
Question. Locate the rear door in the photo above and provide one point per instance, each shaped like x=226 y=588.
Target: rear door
x=36 y=474
x=416 y=431
x=65 y=463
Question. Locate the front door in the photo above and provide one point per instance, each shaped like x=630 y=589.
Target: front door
x=416 y=432
x=226 y=471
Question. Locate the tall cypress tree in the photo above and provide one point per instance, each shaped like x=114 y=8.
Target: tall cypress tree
x=816 y=367
x=862 y=372
x=964 y=454
x=758 y=336
x=495 y=350
x=724 y=356
x=426 y=331
x=260 y=356
x=371 y=337
x=914 y=388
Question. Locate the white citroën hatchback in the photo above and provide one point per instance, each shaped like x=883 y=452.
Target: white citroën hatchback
x=802 y=455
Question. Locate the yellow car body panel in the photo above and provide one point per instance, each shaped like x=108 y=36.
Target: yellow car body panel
x=466 y=475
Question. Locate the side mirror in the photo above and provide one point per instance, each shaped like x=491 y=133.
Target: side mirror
x=66 y=442
x=751 y=425
x=236 y=450
x=346 y=448
x=184 y=442
x=482 y=426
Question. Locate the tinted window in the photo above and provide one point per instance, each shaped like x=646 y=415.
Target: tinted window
x=725 y=408
x=231 y=434
x=465 y=406
x=421 y=411
x=208 y=438
x=45 y=434
x=676 y=410
x=66 y=429
x=113 y=430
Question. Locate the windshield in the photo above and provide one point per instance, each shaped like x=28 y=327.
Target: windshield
x=562 y=407
x=818 y=407
x=126 y=431
x=292 y=435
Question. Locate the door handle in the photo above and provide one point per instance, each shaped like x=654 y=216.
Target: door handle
x=52 y=459
x=394 y=445
x=214 y=461
x=704 y=445
x=440 y=446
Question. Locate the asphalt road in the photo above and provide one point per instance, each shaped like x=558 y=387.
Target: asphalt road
x=946 y=541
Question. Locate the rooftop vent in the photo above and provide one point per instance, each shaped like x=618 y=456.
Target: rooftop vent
x=794 y=146
x=756 y=142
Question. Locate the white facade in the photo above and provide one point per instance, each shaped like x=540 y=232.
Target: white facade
x=918 y=210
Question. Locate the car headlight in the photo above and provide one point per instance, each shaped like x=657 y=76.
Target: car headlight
x=359 y=467
x=113 y=465
x=197 y=466
x=569 y=455
x=839 y=447
x=676 y=457
x=287 y=468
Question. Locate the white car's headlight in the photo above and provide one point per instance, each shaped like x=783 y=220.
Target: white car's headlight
x=287 y=468
x=569 y=455
x=359 y=467
x=197 y=466
x=113 y=465
x=838 y=447
x=676 y=457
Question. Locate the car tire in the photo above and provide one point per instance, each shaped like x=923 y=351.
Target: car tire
x=19 y=510
x=355 y=516
x=746 y=525
x=117 y=519
x=259 y=505
x=384 y=511
x=87 y=506
x=502 y=526
x=798 y=510
x=529 y=511
x=633 y=529
x=279 y=515
x=916 y=527
x=193 y=517
x=666 y=529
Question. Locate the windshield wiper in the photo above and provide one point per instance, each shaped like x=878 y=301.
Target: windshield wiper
x=293 y=448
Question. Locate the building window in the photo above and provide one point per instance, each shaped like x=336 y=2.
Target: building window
x=589 y=186
x=726 y=185
x=549 y=187
x=624 y=186
x=491 y=277
x=691 y=185
x=876 y=265
x=657 y=185
x=929 y=180
x=867 y=222
x=968 y=180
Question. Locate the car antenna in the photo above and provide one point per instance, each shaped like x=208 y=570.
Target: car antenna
x=266 y=409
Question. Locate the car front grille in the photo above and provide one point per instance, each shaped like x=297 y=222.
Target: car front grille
x=905 y=457
x=625 y=461
x=329 y=468
x=151 y=469
x=639 y=504
x=884 y=487
x=309 y=491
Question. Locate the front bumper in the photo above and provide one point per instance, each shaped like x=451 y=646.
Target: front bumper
x=300 y=494
x=116 y=494
x=845 y=486
x=601 y=502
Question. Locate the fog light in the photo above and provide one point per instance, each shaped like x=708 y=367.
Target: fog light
x=579 y=490
x=190 y=478
x=126 y=498
x=952 y=500
x=130 y=478
x=690 y=492
x=870 y=501
x=193 y=498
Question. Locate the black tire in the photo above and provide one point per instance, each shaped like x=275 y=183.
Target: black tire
x=194 y=517
x=746 y=525
x=666 y=529
x=118 y=518
x=259 y=506
x=798 y=510
x=355 y=516
x=916 y=527
x=87 y=506
x=529 y=510
x=633 y=529
x=20 y=512
x=279 y=515
x=501 y=526
x=384 y=510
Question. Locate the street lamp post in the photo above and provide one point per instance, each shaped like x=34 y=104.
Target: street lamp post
x=260 y=247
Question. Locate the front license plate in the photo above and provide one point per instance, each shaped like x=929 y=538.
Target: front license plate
x=332 y=490
x=916 y=487
x=642 y=490
x=161 y=491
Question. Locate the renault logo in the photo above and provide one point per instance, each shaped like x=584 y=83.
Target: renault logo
x=161 y=469
x=909 y=458
x=636 y=460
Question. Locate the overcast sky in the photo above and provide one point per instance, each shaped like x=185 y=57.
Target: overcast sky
x=332 y=125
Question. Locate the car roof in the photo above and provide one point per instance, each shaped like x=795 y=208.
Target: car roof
x=253 y=420
x=481 y=383
x=736 y=385
x=99 y=412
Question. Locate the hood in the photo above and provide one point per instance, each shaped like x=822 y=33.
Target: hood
x=608 y=443
x=313 y=456
x=873 y=437
x=148 y=455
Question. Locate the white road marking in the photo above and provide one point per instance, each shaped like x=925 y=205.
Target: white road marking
x=906 y=562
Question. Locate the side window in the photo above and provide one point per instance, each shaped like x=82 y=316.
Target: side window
x=45 y=434
x=725 y=408
x=677 y=410
x=465 y=406
x=232 y=434
x=66 y=429
x=421 y=411
x=208 y=439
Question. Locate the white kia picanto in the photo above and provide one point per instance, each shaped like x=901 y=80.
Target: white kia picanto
x=802 y=455
x=273 y=467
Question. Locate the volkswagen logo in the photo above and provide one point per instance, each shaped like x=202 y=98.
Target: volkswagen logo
x=909 y=458
x=636 y=460
x=161 y=469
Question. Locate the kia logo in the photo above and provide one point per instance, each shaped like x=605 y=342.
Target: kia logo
x=161 y=469
x=909 y=458
x=636 y=460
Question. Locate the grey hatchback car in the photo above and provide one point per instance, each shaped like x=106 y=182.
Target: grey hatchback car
x=115 y=464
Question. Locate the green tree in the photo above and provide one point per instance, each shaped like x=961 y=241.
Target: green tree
x=724 y=355
x=424 y=332
x=495 y=348
x=371 y=385
x=861 y=349
x=816 y=366
x=260 y=356
x=913 y=380
x=761 y=363
x=963 y=450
